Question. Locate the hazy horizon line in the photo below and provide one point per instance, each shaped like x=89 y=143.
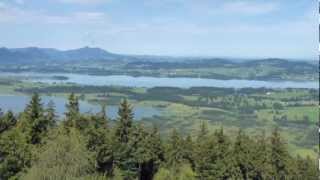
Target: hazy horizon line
x=316 y=58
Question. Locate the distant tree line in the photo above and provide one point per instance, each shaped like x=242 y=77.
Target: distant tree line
x=37 y=145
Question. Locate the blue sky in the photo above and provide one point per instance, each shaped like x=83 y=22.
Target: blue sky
x=228 y=28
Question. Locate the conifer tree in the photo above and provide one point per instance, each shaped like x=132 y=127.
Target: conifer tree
x=7 y=121
x=260 y=158
x=72 y=110
x=279 y=156
x=242 y=152
x=50 y=114
x=201 y=152
x=154 y=154
x=33 y=121
x=174 y=150
x=138 y=154
x=34 y=109
x=98 y=141
x=102 y=118
x=188 y=147
x=124 y=124
x=203 y=132
x=220 y=155
x=103 y=112
x=15 y=154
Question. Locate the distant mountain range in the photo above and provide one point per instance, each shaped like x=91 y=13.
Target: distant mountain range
x=35 y=54
x=41 y=55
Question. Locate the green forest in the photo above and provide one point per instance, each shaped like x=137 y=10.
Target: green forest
x=37 y=144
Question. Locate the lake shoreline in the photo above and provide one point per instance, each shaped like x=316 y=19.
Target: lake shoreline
x=149 y=82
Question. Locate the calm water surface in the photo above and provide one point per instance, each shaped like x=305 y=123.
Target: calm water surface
x=17 y=103
x=149 y=82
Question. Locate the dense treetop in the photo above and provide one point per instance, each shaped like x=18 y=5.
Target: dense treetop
x=37 y=145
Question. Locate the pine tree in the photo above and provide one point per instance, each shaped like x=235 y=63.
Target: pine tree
x=222 y=162
x=15 y=154
x=34 y=109
x=33 y=121
x=242 y=152
x=96 y=129
x=73 y=111
x=201 y=152
x=188 y=147
x=203 y=133
x=103 y=112
x=174 y=150
x=154 y=154
x=138 y=153
x=102 y=118
x=279 y=156
x=260 y=158
x=124 y=123
x=7 y=121
x=50 y=114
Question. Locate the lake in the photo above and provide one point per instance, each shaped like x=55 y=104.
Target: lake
x=17 y=103
x=148 y=82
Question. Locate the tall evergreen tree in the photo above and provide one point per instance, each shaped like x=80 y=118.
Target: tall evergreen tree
x=7 y=121
x=154 y=154
x=73 y=110
x=174 y=150
x=188 y=147
x=102 y=118
x=50 y=114
x=33 y=121
x=260 y=158
x=279 y=156
x=222 y=162
x=124 y=124
x=34 y=109
x=201 y=152
x=15 y=154
x=99 y=141
x=203 y=132
x=242 y=152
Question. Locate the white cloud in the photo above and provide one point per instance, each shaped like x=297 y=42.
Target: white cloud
x=13 y=14
x=20 y=16
x=249 y=7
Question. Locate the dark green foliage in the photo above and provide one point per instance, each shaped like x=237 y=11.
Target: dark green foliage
x=7 y=121
x=124 y=123
x=34 y=122
x=307 y=168
x=50 y=114
x=64 y=156
x=243 y=151
x=279 y=156
x=72 y=111
x=175 y=149
x=15 y=153
x=34 y=109
x=88 y=147
x=260 y=158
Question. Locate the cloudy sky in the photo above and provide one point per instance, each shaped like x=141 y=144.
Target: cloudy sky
x=229 y=28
